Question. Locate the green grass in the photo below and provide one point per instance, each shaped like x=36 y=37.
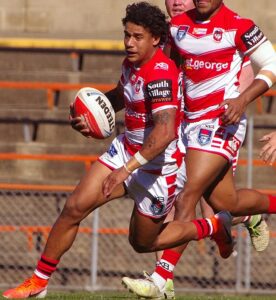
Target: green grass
x=125 y=296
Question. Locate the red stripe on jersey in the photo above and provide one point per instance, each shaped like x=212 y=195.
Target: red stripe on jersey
x=171 y=179
x=199 y=103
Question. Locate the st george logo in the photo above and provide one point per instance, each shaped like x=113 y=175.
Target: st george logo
x=181 y=32
x=217 y=34
x=204 y=136
x=157 y=206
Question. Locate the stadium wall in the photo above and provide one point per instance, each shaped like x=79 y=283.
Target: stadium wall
x=97 y=19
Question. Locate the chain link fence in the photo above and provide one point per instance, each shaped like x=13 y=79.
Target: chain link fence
x=101 y=254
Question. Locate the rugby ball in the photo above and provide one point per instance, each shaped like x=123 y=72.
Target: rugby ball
x=96 y=110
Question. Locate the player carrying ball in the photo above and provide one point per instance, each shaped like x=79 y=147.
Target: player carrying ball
x=142 y=162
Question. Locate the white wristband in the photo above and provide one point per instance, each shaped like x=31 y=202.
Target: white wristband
x=265 y=78
x=141 y=160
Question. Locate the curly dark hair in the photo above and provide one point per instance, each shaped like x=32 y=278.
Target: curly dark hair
x=148 y=16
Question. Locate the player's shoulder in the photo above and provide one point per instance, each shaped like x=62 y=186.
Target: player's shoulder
x=233 y=19
x=163 y=65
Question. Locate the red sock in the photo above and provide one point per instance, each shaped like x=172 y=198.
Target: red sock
x=167 y=263
x=203 y=228
x=45 y=267
x=272 y=204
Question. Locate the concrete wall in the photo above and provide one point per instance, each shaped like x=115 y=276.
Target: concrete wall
x=100 y=19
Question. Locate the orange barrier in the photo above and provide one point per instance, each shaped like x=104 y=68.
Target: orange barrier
x=86 y=159
x=29 y=231
x=255 y=162
x=259 y=103
x=53 y=87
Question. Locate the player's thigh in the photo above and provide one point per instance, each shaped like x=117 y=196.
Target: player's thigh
x=223 y=196
x=144 y=230
x=211 y=147
x=203 y=169
x=88 y=194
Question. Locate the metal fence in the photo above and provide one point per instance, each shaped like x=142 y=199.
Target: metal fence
x=101 y=254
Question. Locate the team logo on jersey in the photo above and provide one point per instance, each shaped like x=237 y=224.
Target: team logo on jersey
x=204 y=136
x=157 y=206
x=217 y=34
x=138 y=85
x=161 y=66
x=112 y=151
x=181 y=32
x=252 y=36
x=199 y=31
x=160 y=90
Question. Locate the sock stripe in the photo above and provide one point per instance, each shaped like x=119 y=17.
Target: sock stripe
x=203 y=228
x=49 y=261
x=45 y=267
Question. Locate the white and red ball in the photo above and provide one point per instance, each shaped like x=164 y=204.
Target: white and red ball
x=95 y=108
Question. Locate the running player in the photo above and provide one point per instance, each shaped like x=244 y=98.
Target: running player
x=143 y=161
x=212 y=41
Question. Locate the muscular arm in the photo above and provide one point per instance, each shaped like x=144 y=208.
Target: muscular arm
x=264 y=58
x=162 y=134
x=156 y=142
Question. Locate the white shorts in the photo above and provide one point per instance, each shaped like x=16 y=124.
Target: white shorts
x=210 y=136
x=154 y=194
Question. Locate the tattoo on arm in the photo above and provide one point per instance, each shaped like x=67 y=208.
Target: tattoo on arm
x=150 y=143
x=162 y=118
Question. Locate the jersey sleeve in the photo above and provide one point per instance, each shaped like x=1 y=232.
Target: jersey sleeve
x=249 y=36
x=162 y=88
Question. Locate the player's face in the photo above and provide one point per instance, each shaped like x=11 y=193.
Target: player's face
x=207 y=8
x=177 y=7
x=140 y=45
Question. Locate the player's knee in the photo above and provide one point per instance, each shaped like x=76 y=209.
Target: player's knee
x=141 y=246
x=72 y=211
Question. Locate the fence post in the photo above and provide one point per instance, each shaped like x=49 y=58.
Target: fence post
x=94 y=249
x=247 y=273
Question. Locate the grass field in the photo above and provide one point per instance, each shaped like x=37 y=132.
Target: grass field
x=125 y=296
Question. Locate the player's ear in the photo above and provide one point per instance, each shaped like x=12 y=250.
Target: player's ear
x=156 y=41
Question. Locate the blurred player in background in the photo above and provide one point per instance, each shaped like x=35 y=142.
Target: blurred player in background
x=268 y=152
x=212 y=41
x=143 y=161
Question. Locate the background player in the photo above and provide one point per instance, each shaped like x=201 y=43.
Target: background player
x=210 y=168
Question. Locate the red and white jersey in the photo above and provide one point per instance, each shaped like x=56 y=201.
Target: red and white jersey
x=147 y=90
x=213 y=52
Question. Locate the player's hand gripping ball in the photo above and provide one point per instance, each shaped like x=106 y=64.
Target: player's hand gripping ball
x=96 y=110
